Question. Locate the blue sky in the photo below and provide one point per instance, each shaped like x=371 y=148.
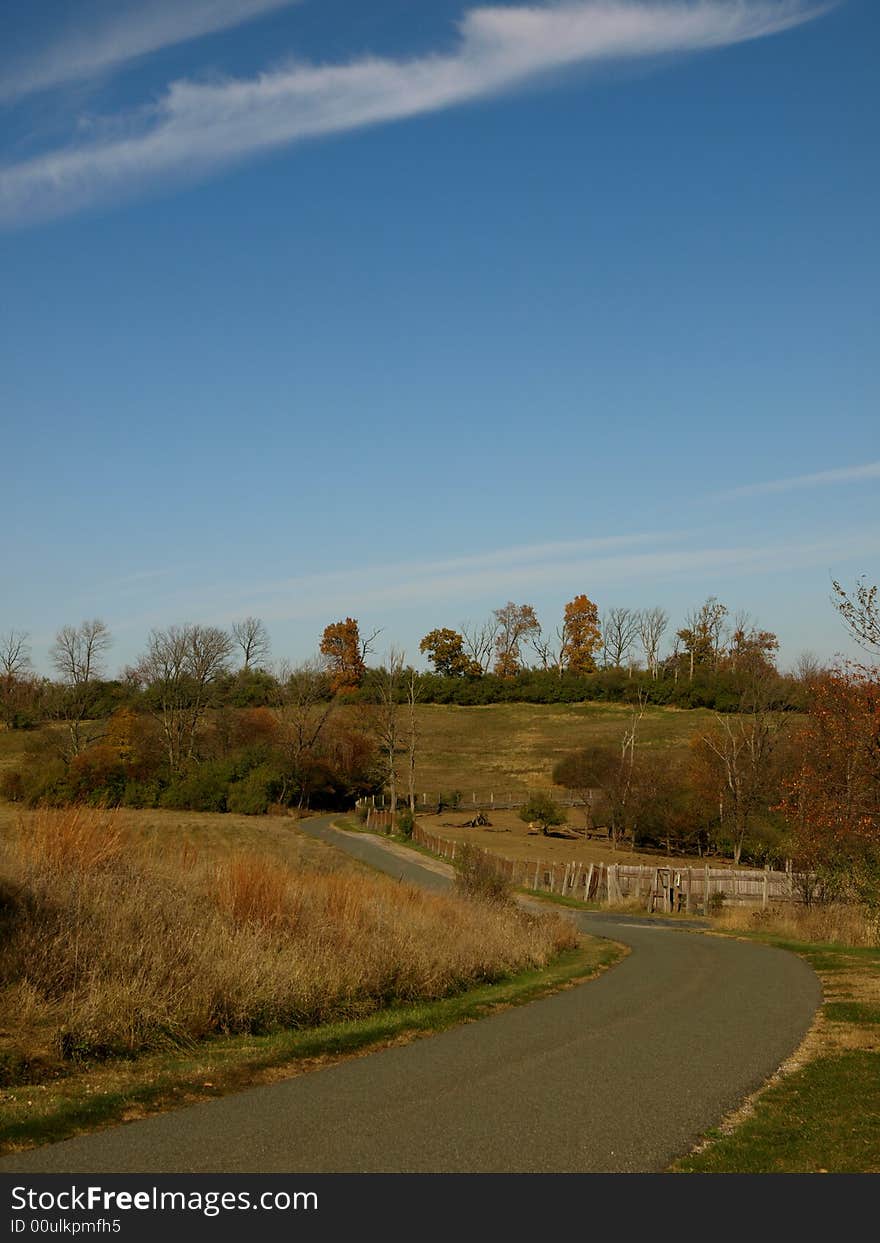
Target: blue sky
x=401 y=310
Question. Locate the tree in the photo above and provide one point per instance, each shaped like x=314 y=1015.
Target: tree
x=751 y=650
x=832 y=802
x=702 y=634
x=479 y=642
x=579 y=636
x=541 y=809
x=15 y=674
x=303 y=707
x=386 y=683
x=178 y=669
x=345 y=653
x=253 y=638
x=734 y=759
x=445 y=650
x=611 y=770
x=861 y=613
x=77 y=654
x=411 y=686
x=516 y=624
x=652 y=625
x=619 y=630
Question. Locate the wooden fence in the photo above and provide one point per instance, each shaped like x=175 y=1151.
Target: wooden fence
x=665 y=887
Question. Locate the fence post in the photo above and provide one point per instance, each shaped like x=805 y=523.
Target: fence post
x=706 y=893
x=765 y=888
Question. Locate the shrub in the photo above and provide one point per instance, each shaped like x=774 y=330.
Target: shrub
x=252 y=795
x=406 y=822
x=476 y=876
x=542 y=810
x=12 y=786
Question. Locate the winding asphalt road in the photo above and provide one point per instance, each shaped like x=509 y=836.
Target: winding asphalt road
x=619 y=1074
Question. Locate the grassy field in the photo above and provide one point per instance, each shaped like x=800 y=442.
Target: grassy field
x=513 y=747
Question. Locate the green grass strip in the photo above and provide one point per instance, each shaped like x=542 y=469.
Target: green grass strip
x=823 y=1118
x=100 y=1095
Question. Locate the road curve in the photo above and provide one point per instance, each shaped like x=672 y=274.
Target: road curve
x=619 y=1074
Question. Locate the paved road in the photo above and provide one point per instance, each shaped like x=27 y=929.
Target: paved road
x=619 y=1074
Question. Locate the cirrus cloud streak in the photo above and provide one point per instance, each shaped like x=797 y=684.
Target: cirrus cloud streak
x=197 y=128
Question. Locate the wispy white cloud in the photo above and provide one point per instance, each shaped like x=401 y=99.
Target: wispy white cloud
x=196 y=128
x=821 y=479
x=454 y=587
x=131 y=30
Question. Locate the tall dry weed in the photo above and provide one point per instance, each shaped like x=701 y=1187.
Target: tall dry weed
x=837 y=923
x=120 y=948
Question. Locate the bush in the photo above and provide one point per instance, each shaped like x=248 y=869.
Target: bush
x=252 y=795
x=12 y=786
x=542 y=810
x=406 y=822
x=476 y=876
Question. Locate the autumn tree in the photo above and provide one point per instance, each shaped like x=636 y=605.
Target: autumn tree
x=178 y=669
x=580 y=635
x=345 y=653
x=652 y=625
x=446 y=651
x=78 y=656
x=575 y=642
x=517 y=623
x=620 y=627
x=734 y=759
x=832 y=801
x=861 y=613
x=252 y=637
x=702 y=634
x=751 y=650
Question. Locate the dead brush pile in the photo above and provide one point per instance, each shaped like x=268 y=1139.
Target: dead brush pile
x=112 y=949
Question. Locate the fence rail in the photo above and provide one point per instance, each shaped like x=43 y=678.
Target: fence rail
x=665 y=887
x=507 y=799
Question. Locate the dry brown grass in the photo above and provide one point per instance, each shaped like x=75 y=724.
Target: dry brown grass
x=834 y=923
x=108 y=946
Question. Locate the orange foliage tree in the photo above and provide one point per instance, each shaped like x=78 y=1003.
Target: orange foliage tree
x=581 y=636
x=344 y=653
x=445 y=650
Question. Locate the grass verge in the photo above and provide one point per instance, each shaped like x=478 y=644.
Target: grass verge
x=123 y=1090
x=821 y=1112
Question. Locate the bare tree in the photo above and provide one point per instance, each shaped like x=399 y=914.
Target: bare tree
x=78 y=655
x=15 y=673
x=479 y=642
x=303 y=706
x=15 y=654
x=386 y=684
x=368 y=644
x=620 y=627
x=253 y=638
x=412 y=685
x=652 y=625
x=179 y=667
